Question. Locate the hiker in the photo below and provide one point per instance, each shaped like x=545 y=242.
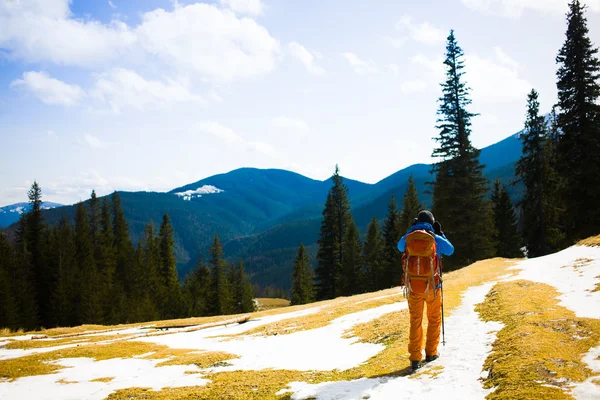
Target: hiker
x=424 y=243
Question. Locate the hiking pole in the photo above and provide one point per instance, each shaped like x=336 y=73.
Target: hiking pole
x=442 y=287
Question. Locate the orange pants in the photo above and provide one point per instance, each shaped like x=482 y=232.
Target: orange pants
x=416 y=302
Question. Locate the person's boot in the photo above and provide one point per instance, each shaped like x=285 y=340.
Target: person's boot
x=431 y=358
x=415 y=365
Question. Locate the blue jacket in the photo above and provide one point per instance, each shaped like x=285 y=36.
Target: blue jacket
x=444 y=247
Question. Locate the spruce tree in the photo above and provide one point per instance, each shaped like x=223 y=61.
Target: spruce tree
x=36 y=233
x=337 y=218
x=123 y=259
x=541 y=204
x=151 y=276
x=197 y=291
x=411 y=205
x=168 y=270
x=352 y=264
x=221 y=297
x=578 y=83
x=392 y=258
x=66 y=278
x=460 y=190
x=88 y=307
x=243 y=297
x=110 y=290
x=302 y=278
x=373 y=258
x=23 y=279
x=507 y=238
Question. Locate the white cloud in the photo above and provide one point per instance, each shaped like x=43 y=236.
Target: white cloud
x=121 y=88
x=202 y=39
x=396 y=43
x=423 y=33
x=295 y=125
x=52 y=134
x=230 y=137
x=111 y=4
x=515 y=8
x=393 y=68
x=360 y=66
x=250 y=7
x=198 y=39
x=91 y=141
x=49 y=90
x=305 y=57
x=433 y=65
x=39 y=30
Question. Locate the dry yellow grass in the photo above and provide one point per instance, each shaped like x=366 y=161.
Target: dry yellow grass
x=593 y=241
x=104 y=380
x=43 y=343
x=270 y=304
x=538 y=352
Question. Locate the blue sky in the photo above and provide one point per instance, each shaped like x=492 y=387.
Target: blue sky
x=153 y=94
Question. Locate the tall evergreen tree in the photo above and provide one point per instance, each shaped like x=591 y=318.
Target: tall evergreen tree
x=196 y=291
x=302 y=278
x=36 y=232
x=392 y=232
x=541 y=204
x=373 y=258
x=168 y=270
x=411 y=205
x=352 y=265
x=337 y=218
x=123 y=258
x=66 y=277
x=221 y=297
x=507 y=238
x=460 y=189
x=243 y=297
x=578 y=86
x=89 y=310
x=110 y=290
x=23 y=279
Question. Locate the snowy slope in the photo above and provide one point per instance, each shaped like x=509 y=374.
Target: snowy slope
x=574 y=272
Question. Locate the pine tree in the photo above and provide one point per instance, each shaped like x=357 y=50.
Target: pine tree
x=89 y=310
x=243 y=298
x=337 y=218
x=541 y=204
x=373 y=258
x=36 y=233
x=123 y=259
x=197 y=291
x=352 y=265
x=392 y=258
x=221 y=298
x=110 y=290
x=302 y=278
x=151 y=276
x=23 y=279
x=507 y=238
x=66 y=287
x=460 y=189
x=168 y=270
x=578 y=83
x=411 y=205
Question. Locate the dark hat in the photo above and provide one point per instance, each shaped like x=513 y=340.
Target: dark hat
x=426 y=216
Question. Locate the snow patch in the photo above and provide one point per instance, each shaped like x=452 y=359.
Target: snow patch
x=590 y=389
x=191 y=194
x=132 y=372
x=565 y=271
x=469 y=341
x=315 y=349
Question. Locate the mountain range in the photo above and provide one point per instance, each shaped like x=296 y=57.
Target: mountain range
x=262 y=215
x=11 y=214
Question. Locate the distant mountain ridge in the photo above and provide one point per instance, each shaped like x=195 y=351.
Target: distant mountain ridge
x=11 y=213
x=262 y=215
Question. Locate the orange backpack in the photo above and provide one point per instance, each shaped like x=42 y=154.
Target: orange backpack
x=420 y=262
